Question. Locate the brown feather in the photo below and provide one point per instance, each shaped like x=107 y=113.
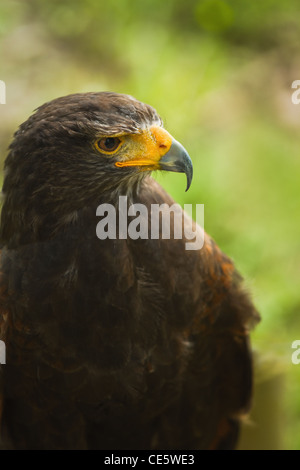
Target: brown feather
x=112 y=344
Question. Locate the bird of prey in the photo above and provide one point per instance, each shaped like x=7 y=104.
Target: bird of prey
x=118 y=342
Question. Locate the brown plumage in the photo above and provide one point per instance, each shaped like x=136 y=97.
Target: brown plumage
x=111 y=344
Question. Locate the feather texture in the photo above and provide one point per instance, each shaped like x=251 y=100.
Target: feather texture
x=111 y=344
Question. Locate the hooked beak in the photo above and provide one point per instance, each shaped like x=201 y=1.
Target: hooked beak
x=177 y=159
x=155 y=149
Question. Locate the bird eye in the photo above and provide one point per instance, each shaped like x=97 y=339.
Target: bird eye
x=108 y=144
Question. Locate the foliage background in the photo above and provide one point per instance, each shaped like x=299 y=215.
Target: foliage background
x=219 y=72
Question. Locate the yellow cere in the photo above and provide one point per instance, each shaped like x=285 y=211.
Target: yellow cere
x=150 y=146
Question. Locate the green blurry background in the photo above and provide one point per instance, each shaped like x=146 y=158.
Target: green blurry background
x=219 y=73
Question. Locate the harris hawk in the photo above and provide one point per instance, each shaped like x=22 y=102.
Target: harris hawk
x=113 y=343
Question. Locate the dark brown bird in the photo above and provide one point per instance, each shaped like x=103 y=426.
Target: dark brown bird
x=112 y=343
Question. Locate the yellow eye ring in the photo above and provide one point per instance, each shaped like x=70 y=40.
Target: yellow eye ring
x=108 y=145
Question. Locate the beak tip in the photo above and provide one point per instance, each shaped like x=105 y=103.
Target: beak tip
x=189 y=178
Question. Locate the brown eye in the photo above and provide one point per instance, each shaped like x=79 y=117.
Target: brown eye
x=108 y=144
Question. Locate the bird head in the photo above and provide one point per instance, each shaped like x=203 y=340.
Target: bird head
x=74 y=149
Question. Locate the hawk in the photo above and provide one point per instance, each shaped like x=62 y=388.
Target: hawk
x=112 y=343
